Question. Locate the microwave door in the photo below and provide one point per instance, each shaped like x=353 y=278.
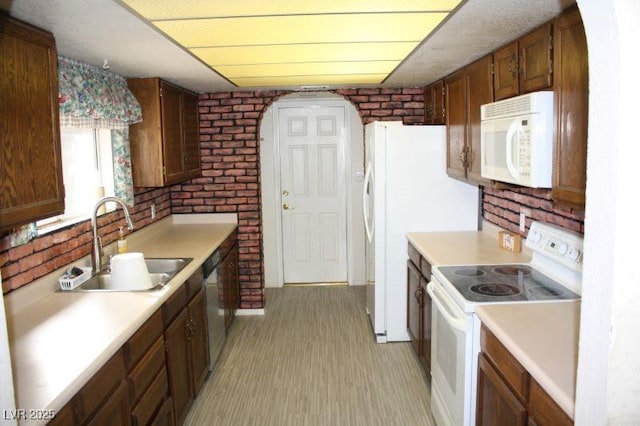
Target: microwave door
x=514 y=132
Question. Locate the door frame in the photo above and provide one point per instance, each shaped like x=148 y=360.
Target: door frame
x=271 y=198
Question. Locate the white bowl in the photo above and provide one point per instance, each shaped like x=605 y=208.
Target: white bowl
x=129 y=272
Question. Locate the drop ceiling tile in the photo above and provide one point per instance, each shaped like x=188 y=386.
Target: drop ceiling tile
x=171 y=9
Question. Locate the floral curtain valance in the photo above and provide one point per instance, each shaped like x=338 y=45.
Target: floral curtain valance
x=91 y=97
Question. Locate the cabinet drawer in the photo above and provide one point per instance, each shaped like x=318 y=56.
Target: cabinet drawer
x=146 y=370
x=152 y=400
x=544 y=410
x=228 y=244
x=414 y=256
x=174 y=304
x=514 y=374
x=100 y=387
x=425 y=268
x=142 y=340
x=193 y=284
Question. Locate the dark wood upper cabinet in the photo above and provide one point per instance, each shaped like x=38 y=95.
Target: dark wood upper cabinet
x=434 y=111
x=506 y=81
x=31 y=185
x=456 y=119
x=465 y=91
x=571 y=97
x=191 y=135
x=479 y=88
x=535 y=50
x=165 y=146
x=524 y=65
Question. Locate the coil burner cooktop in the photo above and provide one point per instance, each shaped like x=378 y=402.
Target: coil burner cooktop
x=505 y=283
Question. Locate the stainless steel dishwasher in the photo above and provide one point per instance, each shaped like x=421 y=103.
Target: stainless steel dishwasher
x=215 y=311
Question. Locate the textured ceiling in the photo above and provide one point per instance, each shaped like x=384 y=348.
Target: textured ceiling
x=94 y=30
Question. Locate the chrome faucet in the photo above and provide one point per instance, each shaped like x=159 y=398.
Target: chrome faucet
x=97 y=254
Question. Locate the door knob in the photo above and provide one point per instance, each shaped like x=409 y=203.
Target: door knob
x=285 y=192
x=287 y=206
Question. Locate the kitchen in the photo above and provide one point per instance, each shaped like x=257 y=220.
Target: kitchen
x=605 y=256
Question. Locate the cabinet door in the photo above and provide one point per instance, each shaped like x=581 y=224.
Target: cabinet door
x=428 y=105
x=438 y=96
x=506 y=82
x=231 y=285
x=146 y=136
x=414 y=307
x=425 y=335
x=31 y=184
x=496 y=404
x=199 y=349
x=178 y=365
x=456 y=118
x=479 y=88
x=544 y=411
x=171 y=104
x=115 y=411
x=191 y=134
x=571 y=93
x=535 y=59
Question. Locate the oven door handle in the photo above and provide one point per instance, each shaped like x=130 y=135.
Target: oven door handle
x=457 y=323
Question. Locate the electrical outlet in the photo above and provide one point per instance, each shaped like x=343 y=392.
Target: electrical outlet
x=524 y=212
x=153 y=211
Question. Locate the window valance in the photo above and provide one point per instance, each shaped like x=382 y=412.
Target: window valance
x=91 y=97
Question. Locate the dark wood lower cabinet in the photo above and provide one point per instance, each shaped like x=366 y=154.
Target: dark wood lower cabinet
x=155 y=376
x=419 y=307
x=507 y=394
x=178 y=365
x=198 y=341
x=414 y=306
x=496 y=404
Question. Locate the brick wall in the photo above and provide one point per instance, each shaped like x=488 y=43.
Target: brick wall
x=23 y=264
x=230 y=182
x=502 y=207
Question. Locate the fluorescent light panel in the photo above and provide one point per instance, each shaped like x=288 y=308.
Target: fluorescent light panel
x=255 y=43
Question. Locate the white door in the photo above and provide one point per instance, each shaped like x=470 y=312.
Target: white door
x=312 y=179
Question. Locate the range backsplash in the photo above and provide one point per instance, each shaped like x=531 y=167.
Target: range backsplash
x=502 y=207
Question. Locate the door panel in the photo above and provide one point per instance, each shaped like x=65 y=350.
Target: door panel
x=312 y=164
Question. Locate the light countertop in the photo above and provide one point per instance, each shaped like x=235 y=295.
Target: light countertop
x=542 y=336
x=463 y=248
x=59 y=340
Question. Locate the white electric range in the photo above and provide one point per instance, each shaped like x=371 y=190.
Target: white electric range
x=554 y=275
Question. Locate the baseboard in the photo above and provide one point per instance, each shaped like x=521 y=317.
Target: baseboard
x=249 y=312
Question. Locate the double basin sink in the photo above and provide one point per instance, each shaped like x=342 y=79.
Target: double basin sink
x=161 y=270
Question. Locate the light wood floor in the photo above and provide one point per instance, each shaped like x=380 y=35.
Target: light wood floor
x=312 y=360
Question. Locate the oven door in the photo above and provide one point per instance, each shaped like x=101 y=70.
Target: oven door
x=451 y=358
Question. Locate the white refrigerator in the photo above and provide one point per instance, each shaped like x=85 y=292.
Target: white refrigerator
x=406 y=189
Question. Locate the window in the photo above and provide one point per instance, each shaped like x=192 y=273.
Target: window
x=87 y=172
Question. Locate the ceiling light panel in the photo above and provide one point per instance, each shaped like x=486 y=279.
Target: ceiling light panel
x=297 y=43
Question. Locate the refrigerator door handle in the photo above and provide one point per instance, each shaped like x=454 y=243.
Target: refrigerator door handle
x=368 y=179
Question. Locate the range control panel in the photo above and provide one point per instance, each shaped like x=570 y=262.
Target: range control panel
x=557 y=243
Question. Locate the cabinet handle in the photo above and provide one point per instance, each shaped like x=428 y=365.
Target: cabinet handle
x=513 y=66
x=464 y=158
x=419 y=293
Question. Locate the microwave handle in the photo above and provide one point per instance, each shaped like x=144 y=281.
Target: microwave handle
x=512 y=131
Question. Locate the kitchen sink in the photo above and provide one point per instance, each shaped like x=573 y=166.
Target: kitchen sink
x=161 y=270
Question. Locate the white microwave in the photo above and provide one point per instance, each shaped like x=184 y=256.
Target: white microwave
x=517 y=140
